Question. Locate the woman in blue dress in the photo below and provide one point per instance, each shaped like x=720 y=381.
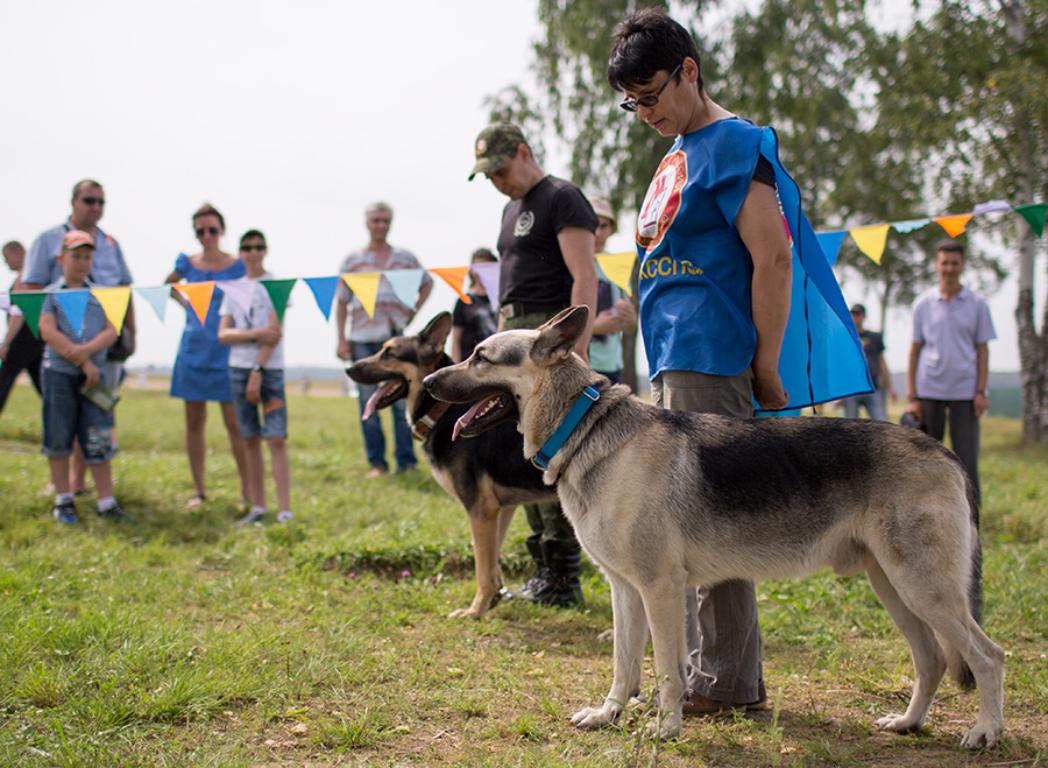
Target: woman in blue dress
x=201 y=371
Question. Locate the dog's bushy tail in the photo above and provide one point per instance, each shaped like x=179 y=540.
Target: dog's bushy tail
x=955 y=664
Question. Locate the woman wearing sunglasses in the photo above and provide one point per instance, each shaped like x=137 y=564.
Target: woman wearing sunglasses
x=201 y=371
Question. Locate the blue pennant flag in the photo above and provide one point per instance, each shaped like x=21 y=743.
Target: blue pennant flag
x=157 y=297
x=324 y=292
x=822 y=358
x=405 y=283
x=831 y=244
x=74 y=305
x=903 y=227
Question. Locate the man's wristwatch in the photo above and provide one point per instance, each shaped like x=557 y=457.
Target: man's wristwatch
x=257 y=369
x=981 y=392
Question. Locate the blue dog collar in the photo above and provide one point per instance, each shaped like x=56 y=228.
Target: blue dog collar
x=581 y=407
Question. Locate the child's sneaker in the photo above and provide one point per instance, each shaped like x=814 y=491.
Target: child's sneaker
x=254 y=515
x=284 y=517
x=115 y=513
x=65 y=512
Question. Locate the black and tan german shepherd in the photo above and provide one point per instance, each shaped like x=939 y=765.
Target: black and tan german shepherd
x=487 y=474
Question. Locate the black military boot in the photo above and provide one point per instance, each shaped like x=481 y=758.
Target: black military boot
x=564 y=561
x=540 y=581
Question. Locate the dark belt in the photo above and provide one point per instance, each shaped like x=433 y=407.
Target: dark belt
x=518 y=308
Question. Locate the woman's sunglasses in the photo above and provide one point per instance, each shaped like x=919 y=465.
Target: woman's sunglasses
x=201 y=231
x=253 y=247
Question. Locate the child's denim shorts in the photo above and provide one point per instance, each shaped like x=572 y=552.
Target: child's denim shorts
x=68 y=414
x=273 y=422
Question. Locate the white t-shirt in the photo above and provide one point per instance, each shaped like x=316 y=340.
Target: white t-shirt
x=248 y=303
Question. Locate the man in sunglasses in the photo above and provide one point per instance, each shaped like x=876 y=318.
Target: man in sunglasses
x=108 y=268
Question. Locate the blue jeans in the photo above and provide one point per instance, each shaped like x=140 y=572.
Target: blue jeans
x=873 y=402
x=274 y=405
x=68 y=414
x=374 y=438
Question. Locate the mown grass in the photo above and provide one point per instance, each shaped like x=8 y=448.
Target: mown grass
x=179 y=640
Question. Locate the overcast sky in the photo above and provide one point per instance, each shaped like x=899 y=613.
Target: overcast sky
x=287 y=117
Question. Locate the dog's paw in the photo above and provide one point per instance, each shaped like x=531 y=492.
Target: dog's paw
x=982 y=736
x=666 y=727
x=466 y=613
x=898 y=724
x=595 y=717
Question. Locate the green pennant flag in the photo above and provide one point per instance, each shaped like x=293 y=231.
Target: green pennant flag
x=279 y=292
x=30 y=304
x=1034 y=213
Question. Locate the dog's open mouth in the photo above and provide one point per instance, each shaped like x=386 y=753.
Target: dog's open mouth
x=483 y=415
x=388 y=392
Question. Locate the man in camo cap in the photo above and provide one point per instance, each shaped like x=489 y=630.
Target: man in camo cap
x=546 y=252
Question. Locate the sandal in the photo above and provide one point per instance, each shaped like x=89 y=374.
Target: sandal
x=196 y=500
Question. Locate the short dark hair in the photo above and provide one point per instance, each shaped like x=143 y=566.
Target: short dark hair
x=252 y=233
x=646 y=42
x=483 y=254
x=209 y=210
x=12 y=244
x=950 y=246
x=84 y=183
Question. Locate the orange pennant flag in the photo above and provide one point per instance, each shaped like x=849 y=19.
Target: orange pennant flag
x=199 y=297
x=456 y=278
x=954 y=225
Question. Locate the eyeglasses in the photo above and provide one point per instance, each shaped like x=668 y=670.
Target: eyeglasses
x=651 y=99
x=201 y=231
x=93 y=200
x=253 y=247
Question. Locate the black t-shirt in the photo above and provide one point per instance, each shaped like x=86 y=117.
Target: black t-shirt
x=477 y=321
x=873 y=346
x=533 y=268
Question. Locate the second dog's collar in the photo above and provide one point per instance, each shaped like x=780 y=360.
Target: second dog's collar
x=580 y=408
x=420 y=429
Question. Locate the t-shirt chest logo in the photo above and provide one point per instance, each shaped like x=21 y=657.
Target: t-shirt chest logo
x=523 y=224
x=662 y=201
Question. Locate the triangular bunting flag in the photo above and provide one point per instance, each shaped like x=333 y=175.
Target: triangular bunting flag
x=911 y=225
x=871 y=240
x=1034 y=213
x=238 y=292
x=114 y=303
x=365 y=286
x=74 y=305
x=487 y=273
x=157 y=297
x=279 y=292
x=456 y=278
x=199 y=297
x=405 y=283
x=992 y=206
x=954 y=225
x=619 y=268
x=30 y=304
x=324 y=292
x=830 y=242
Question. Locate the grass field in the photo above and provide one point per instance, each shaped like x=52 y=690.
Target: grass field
x=179 y=640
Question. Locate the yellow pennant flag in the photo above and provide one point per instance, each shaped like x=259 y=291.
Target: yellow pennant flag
x=456 y=278
x=954 y=225
x=618 y=267
x=114 y=303
x=365 y=286
x=871 y=240
x=199 y=297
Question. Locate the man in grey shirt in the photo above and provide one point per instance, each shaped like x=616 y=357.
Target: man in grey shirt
x=950 y=360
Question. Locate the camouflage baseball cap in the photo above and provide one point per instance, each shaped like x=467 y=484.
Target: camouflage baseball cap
x=494 y=146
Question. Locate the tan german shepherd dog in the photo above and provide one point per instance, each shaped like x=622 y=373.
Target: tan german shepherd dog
x=665 y=500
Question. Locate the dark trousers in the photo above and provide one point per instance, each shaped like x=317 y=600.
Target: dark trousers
x=25 y=354
x=964 y=433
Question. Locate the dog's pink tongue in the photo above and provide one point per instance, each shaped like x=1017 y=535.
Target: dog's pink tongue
x=372 y=403
x=467 y=417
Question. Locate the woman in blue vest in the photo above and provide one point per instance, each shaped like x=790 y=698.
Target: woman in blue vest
x=715 y=238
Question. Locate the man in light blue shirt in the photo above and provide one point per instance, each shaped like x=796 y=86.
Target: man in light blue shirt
x=950 y=359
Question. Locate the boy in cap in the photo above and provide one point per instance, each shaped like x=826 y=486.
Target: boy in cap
x=73 y=360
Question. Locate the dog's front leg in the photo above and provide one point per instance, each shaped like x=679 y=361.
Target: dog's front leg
x=485 y=527
x=631 y=633
x=665 y=608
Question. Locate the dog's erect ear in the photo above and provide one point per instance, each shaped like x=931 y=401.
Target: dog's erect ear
x=558 y=335
x=434 y=335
